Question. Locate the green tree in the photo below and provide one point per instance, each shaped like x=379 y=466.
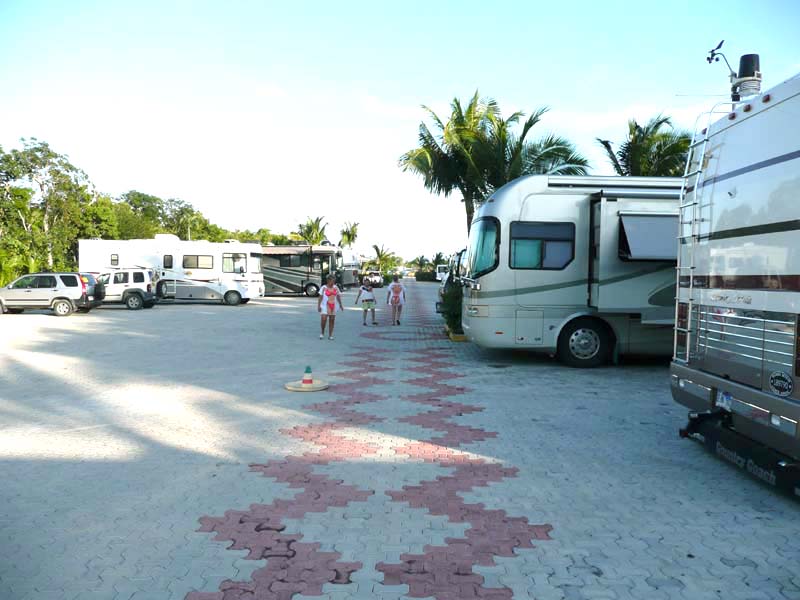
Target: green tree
x=384 y=259
x=654 y=149
x=349 y=235
x=420 y=262
x=438 y=259
x=312 y=232
x=475 y=152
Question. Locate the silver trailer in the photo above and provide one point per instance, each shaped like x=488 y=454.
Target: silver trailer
x=581 y=267
x=736 y=343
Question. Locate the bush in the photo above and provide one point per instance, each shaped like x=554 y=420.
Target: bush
x=387 y=278
x=425 y=275
x=451 y=307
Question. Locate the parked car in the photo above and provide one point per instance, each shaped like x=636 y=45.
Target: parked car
x=131 y=287
x=373 y=277
x=63 y=293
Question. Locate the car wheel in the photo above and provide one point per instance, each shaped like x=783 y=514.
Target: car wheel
x=233 y=298
x=585 y=343
x=312 y=290
x=62 y=308
x=134 y=302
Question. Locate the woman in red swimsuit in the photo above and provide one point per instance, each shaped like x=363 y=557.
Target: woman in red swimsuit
x=330 y=294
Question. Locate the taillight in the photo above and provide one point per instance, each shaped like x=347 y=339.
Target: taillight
x=84 y=281
x=149 y=288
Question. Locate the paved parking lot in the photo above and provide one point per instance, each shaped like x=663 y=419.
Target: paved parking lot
x=155 y=455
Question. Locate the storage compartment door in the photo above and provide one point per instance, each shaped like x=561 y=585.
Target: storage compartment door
x=529 y=328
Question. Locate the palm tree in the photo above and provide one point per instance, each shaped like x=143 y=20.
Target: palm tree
x=419 y=262
x=312 y=232
x=655 y=149
x=507 y=156
x=439 y=259
x=384 y=259
x=445 y=160
x=476 y=152
x=349 y=234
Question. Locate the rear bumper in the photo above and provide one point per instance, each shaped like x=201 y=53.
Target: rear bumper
x=84 y=302
x=760 y=416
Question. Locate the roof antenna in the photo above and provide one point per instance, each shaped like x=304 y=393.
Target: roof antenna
x=748 y=81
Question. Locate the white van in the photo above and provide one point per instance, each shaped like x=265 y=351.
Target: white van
x=441 y=272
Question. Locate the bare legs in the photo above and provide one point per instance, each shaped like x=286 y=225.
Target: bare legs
x=323 y=321
x=397 y=309
x=331 y=323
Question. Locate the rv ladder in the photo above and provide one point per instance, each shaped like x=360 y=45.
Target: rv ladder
x=690 y=214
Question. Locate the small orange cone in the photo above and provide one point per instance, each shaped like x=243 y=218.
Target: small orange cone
x=307 y=383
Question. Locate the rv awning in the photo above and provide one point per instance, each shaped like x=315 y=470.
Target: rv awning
x=648 y=236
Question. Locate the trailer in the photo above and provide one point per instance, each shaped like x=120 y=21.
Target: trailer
x=736 y=354
x=228 y=272
x=581 y=267
x=299 y=269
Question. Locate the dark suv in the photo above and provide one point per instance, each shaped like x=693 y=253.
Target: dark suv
x=63 y=293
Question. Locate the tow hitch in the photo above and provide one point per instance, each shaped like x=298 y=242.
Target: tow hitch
x=714 y=430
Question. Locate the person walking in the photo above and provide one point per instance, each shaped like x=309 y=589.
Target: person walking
x=367 y=296
x=330 y=294
x=396 y=298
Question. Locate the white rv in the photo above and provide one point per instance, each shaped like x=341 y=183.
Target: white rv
x=737 y=341
x=228 y=272
x=583 y=267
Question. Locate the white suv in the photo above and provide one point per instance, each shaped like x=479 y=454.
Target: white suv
x=131 y=287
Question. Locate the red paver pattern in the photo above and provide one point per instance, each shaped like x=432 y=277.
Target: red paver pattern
x=443 y=572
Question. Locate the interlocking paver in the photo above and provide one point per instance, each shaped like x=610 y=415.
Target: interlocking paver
x=160 y=457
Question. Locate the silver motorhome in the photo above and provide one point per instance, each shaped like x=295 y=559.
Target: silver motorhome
x=736 y=360
x=583 y=267
x=299 y=269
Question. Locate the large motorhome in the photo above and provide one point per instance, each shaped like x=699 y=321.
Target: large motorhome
x=228 y=272
x=583 y=267
x=737 y=341
x=299 y=269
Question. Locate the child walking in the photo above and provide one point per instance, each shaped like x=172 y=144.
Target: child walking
x=331 y=294
x=367 y=297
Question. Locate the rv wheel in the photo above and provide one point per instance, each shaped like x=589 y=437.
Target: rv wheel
x=585 y=343
x=161 y=289
x=233 y=298
x=312 y=290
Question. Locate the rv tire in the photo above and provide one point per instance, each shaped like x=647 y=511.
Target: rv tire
x=233 y=298
x=312 y=290
x=160 y=287
x=585 y=343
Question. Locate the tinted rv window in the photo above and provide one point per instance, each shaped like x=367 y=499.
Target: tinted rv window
x=290 y=260
x=194 y=261
x=648 y=237
x=234 y=263
x=168 y=261
x=114 y=260
x=541 y=245
x=484 y=241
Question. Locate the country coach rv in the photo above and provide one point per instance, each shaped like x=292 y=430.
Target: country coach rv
x=228 y=272
x=583 y=267
x=737 y=341
x=299 y=269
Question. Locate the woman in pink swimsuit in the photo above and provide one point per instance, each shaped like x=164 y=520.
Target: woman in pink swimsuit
x=330 y=294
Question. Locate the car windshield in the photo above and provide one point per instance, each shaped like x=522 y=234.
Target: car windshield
x=482 y=252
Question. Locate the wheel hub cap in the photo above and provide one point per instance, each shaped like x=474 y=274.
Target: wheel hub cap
x=584 y=344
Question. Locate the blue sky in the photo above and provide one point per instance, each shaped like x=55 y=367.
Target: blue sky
x=264 y=113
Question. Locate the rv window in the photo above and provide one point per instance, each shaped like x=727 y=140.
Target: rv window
x=234 y=263
x=168 y=261
x=193 y=261
x=542 y=246
x=290 y=260
x=304 y=260
x=484 y=241
x=648 y=237
x=120 y=278
x=255 y=262
x=114 y=260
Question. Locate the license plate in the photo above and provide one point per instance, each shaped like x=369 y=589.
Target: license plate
x=91 y=297
x=724 y=400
